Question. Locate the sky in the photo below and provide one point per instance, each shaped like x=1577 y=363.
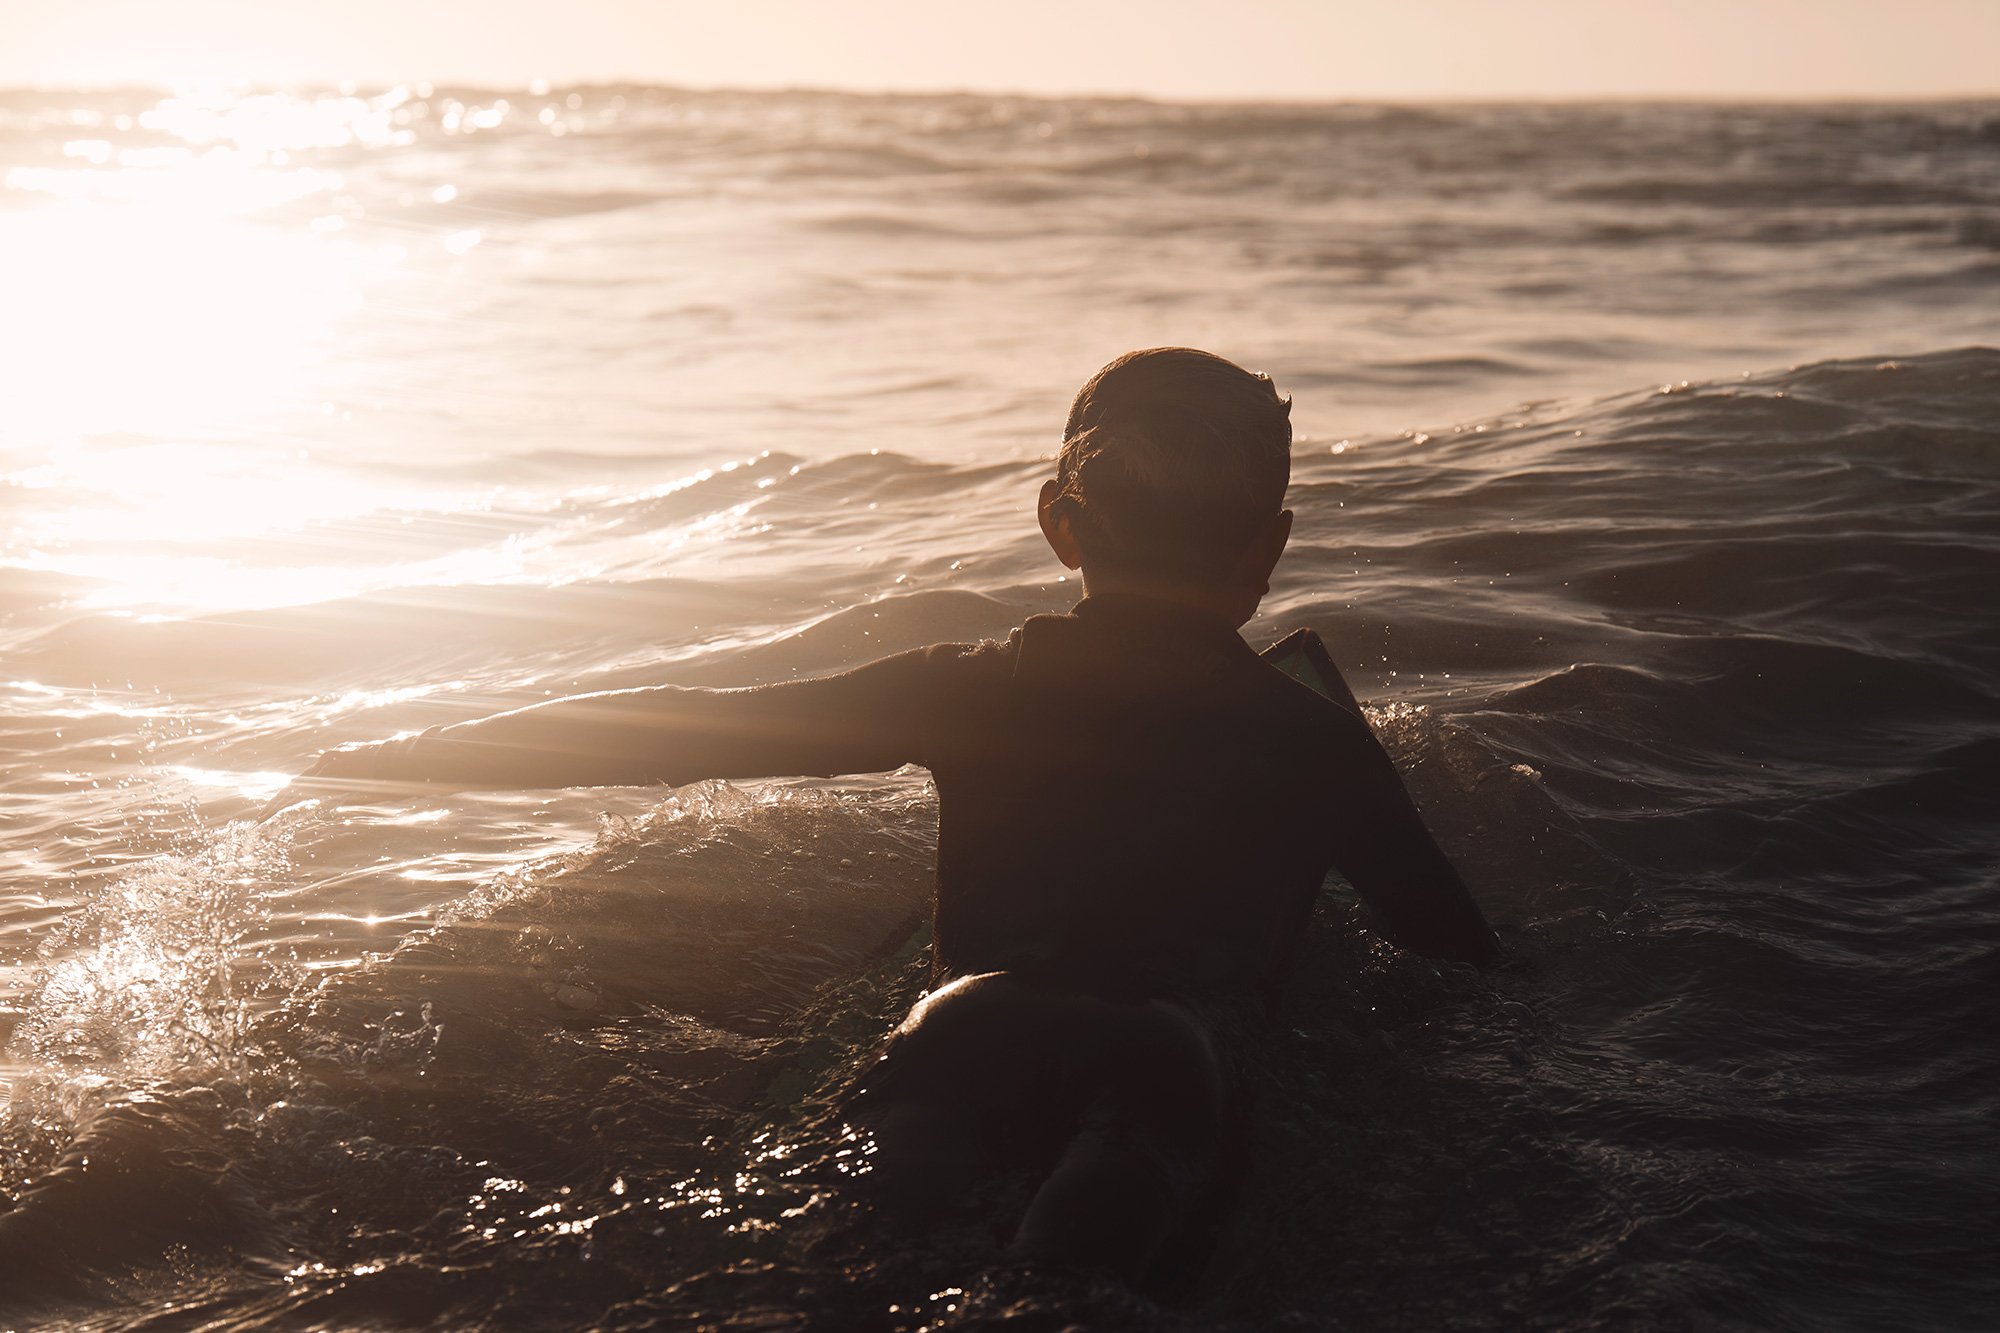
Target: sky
x=1192 y=49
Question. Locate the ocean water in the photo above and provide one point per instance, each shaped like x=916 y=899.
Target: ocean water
x=1648 y=489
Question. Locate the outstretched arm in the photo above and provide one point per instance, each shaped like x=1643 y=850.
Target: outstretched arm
x=874 y=717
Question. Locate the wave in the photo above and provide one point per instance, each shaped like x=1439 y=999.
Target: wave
x=638 y=992
x=1699 y=683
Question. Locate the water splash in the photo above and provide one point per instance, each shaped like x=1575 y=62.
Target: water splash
x=157 y=973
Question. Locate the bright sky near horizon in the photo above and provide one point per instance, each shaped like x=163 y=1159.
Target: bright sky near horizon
x=1286 y=49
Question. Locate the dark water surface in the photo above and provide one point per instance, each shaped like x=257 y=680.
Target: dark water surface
x=1699 y=682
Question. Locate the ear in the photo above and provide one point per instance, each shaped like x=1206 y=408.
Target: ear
x=1055 y=526
x=1262 y=557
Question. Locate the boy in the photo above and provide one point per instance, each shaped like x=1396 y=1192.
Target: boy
x=1135 y=816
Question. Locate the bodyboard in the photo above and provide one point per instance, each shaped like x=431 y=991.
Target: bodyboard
x=1304 y=658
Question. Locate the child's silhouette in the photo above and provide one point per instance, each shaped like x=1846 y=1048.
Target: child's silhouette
x=1135 y=815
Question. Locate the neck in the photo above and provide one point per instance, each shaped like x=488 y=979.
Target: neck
x=1229 y=603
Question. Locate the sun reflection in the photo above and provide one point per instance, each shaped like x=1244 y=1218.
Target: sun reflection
x=133 y=507
x=176 y=491
x=140 y=520
x=282 y=122
x=255 y=785
x=197 y=585
x=148 y=320
x=125 y=502
x=218 y=183
x=179 y=284
x=145 y=294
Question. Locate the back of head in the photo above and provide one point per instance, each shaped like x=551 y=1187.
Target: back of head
x=1172 y=460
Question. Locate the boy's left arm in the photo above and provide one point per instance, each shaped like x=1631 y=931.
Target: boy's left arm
x=1383 y=847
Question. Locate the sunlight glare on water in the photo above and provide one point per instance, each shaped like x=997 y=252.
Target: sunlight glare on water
x=157 y=331
x=130 y=499
x=150 y=318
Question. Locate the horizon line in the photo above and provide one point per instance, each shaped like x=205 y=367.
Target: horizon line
x=361 y=88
